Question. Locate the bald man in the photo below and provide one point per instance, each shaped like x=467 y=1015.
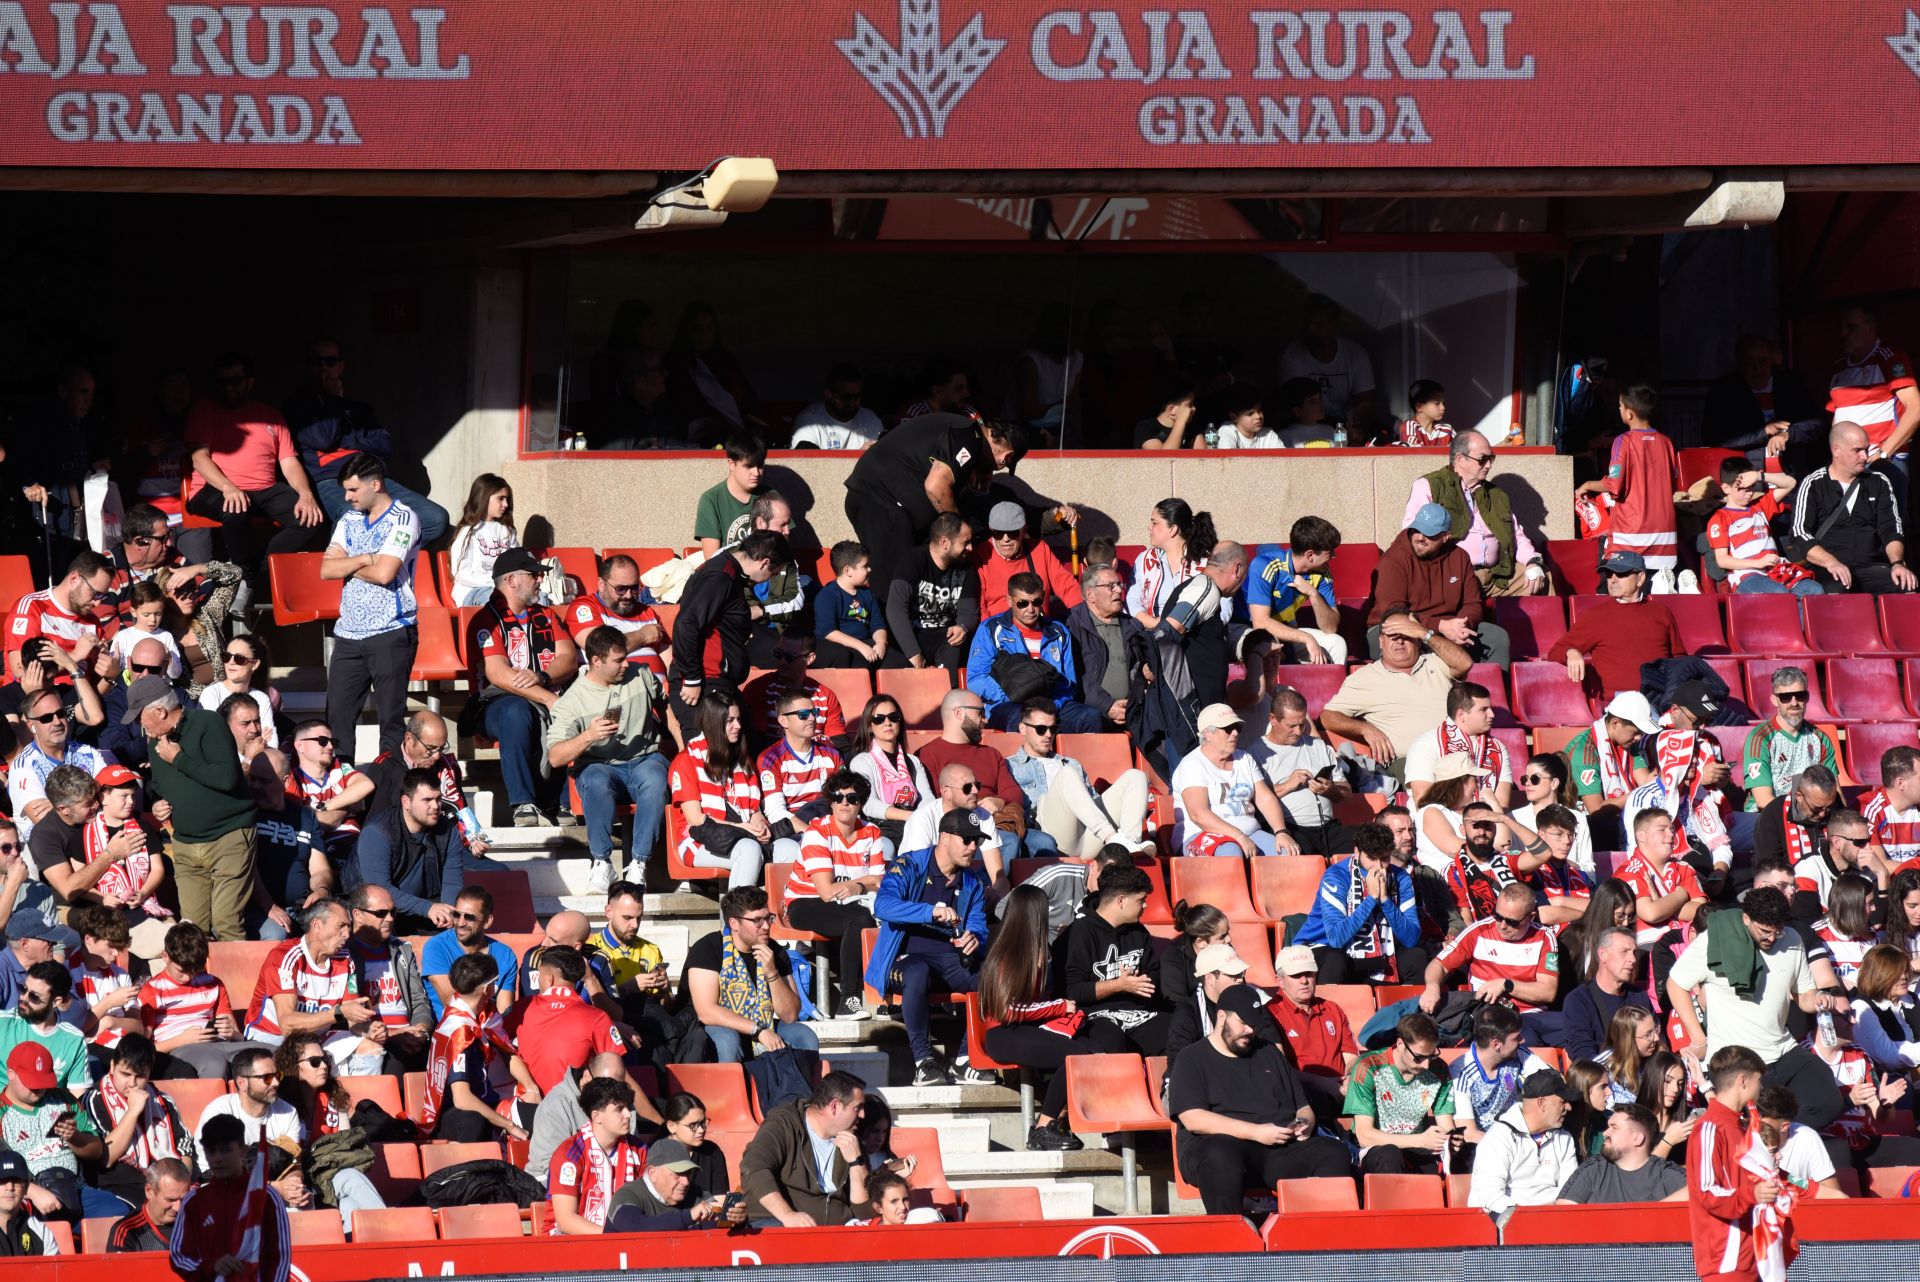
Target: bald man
x=566 y=929
x=1849 y=518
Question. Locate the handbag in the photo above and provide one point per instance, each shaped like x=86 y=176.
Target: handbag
x=1022 y=677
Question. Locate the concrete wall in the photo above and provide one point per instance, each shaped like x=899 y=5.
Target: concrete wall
x=603 y=503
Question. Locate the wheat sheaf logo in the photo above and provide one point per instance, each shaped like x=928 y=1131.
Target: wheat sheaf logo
x=920 y=80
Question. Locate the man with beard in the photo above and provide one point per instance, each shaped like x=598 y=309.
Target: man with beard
x=615 y=603
x=1626 y=1169
x=1424 y=571
x=962 y=727
x=934 y=606
x=245 y=466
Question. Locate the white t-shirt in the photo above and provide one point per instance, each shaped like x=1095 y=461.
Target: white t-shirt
x=1430 y=855
x=1802 y=1155
x=1229 y=793
x=282 y=1121
x=216 y=693
x=923 y=830
x=815 y=429
x=129 y=636
x=1346 y=376
x=1279 y=761
x=1265 y=439
x=475 y=549
x=1759 y=1026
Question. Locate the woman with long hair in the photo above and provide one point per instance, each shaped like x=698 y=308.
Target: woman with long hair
x=1847 y=929
x=1587 y=1120
x=1199 y=925
x=1633 y=1036
x=308 y=1083
x=244 y=665
x=1436 y=821
x=1903 y=915
x=485 y=530
x=1663 y=1092
x=1546 y=782
x=897 y=780
x=686 y=1118
x=719 y=797
x=1179 y=541
x=842 y=858
x=705 y=382
x=1026 y=1024
x=1611 y=905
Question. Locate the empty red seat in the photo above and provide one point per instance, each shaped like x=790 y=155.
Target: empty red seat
x=487 y=1219
x=1575 y=565
x=437 y=656
x=1845 y=624
x=1765 y=625
x=1254 y=942
x=1007 y=1204
x=1514 y=739
x=381 y=1088
x=1316 y=682
x=16 y=579
x=1284 y=886
x=1868 y=740
x=1865 y=689
x=1702 y=461
x=395 y=1224
x=918 y=692
x=396 y=1171
x=1353 y=567
x=1533 y=623
x=1733 y=744
x=236 y=963
x=1544 y=695
x=512 y=899
x=722 y=1088
x=1105 y=757
x=1698 y=618
x=1110 y=1093
x=1889 y=1181
x=1357 y=1000
x=1220 y=880
x=1760 y=687
x=1318 y=1193
x=316 y=1228
x=1404 y=1192
x=299 y=594
x=439 y=1156
x=1899 y=622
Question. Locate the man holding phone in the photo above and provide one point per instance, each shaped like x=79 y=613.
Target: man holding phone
x=660 y=1200
x=1305 y=774
x=604 y=730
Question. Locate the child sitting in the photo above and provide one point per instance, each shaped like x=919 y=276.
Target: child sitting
x=1427 y=427
x=1243 y=423
x=845 y=616
x=149 y=605
x=1739 y=535
x=1306 y=413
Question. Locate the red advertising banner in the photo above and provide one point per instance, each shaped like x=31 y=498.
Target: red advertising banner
x=546 y=1256
x=956 y=84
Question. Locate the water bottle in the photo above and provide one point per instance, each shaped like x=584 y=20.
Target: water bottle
x=1339 y=436
x=578 y=442
x=1828 y=1037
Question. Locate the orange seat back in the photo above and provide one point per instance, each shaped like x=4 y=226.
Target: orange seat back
x=1220 y=880
x=489 y=1219
x=395 y=1224
x=722 y=1088
x=1282 y=887
x=1013 y=1203
x=1317 y=1193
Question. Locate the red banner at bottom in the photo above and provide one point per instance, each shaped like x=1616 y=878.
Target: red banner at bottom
x=1100 y=1239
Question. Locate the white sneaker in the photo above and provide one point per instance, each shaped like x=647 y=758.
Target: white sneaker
x=1661 y=583
x=600 y=877
x=1687 y=584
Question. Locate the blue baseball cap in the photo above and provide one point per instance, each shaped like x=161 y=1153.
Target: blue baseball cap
x=1432 y=520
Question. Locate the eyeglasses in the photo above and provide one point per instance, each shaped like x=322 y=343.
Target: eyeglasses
x=968 y=789
x=1418 y=1058
x=148 y=540
x=48 y=718
x=144 y=669
x=998 y=535
x=1618 y=574
x=624 y=589
x=1789 y=696
x=971 y=707
x=1533 y=778
x=700 y=1125
x=234 y=656
x=1114 y=586
x=9 y=848
x=757 y=919
x=314 y=1061
x=1031 y=603
x=1041 y=728
x=325 y=741
x=845 y=799
x=380 y=913
x=805 y=714
x=430 y=747
x=886 y=718
x=460 y=916
x=1481 y=459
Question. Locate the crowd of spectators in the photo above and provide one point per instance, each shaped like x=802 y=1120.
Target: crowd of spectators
x=1748 y=940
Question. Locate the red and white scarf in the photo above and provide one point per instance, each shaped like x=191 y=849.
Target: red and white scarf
x=459 y=1029
x=607 y=1174
x=1799 y=845
x=1679 y=756
x=1489 y=756
x=1774 y=1247
x=1616 y=763
x=153 y=1139
x=250 y=1225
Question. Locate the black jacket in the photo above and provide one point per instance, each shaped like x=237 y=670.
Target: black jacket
x=1733 y=419
x=1860 y=535
x=319 y=422
x=711 y=631
x=19 y=1237
x=1090 y=660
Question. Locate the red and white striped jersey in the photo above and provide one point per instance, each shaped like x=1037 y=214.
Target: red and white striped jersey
x=1642 y=475
x=1865 y=391
x=318 y=793
x=789 y=781
x=314 y=987
x=90 y=985
x=1897 y=831
x=823 y=849
x=38 y=614
x=689 y=782
x=1743 y=532
x=1847 y=953
x=589 y=612
x=1485 y=956
x=169 y=1009
x=1649 y=882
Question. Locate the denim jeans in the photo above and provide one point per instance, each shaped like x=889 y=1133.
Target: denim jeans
x=521 y=729
x=1761 y=585
x=728 y=1044
x=1075 y=718
x=333 y=501
x=353 y=1191
x=605 y=784
x=744 y=862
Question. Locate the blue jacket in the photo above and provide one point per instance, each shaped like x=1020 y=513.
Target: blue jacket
x=1329 y=926
x=898 y=904
x=999 y=635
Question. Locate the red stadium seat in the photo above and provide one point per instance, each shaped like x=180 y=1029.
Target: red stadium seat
x=1889 y=1181
x=1575 y=564
x=1284 y=886
x=1702 y=630
x=1105 y=757
x=644 y=558
x=776 y=886
x=1765 y=625
x=1353 y=567
x=1489 y=676
x=1459 y=1190
x=395 y=1224
x=1702 y=461
x=512 y=899
x=922 y=1143
x=722 y=1088
x=488 y=1219
x=1760 y=687
x=918 y=692
x=16 y=579
x=1544 y=695
x=300 y=595
x=413 y=1089
x=675 y=830
x=1845 y=624
x=191 y=1095
x=315 y=1228
x=1159 y=910
x=437 y=656
x=1010 y=1204
x=1553 y=738
x=852 y=686
x=236 y=963
x=581 y=563
x=1253 y=940
x=396 y=1171
x=381 y=1088
x=1115 y=1095
x=1733 y=744
x=1865 y=689
x=1220 y=880
x=1514 y=740
x=1357 y=1000
x=439 y=1156
x=1899 y=622
x=1318 y=1193
x=1868 y=740
x=1403 y=1192
x=1910 y=680
x=1533 y=623
x=1316 y=682
x=93 y=1233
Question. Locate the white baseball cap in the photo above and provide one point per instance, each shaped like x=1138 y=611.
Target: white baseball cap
x=1631 y=705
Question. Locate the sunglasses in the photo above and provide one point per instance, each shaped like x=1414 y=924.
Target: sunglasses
x=624 y=589
x=460 y=916
x=1481 y=459
x=1032 y=603
x=260 y=1077
x=805 y=714
x=1618 y=574
x=1789 y=696
x=845 y=798
x=380 y=914
x=1038 y=728
x=148 y=540
x=430 y=747
x=1422 y=1060
x=147 y=669
x=886 y=718
x=314 y=1061
x=1533 y=778
x=9 y=848
x=48 y=718
x=968 y=789
x=323 y=741
x=234 y=656
x=1518 y=923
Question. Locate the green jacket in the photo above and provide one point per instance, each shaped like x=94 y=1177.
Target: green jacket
x=1496 y=509
x=209 y=794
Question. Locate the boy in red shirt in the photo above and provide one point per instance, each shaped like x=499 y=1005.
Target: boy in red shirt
x=1721 y=1194
x=1643 y=476
x=1741 y=540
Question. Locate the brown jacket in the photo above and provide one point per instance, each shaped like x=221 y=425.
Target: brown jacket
x=1443 y=588
x=780 y=1160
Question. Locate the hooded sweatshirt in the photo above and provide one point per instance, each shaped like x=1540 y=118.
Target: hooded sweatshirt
x=1514 y=1167
x=1443 y=588
x=1093 y=950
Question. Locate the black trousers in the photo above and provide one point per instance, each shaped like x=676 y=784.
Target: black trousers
x=464 y=1126
x=933 y=647
x=380 y=663
x=1031 y=1046
x=1224 y=1168
x=831 y=654
x=1390 y=1159
x=1338 y=968
x=1108 y=1038
x=1327 y=840
x=1866 y=578
x=842 y=922
x=1811 y=1081
x=276 y=503
x=887 y=532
